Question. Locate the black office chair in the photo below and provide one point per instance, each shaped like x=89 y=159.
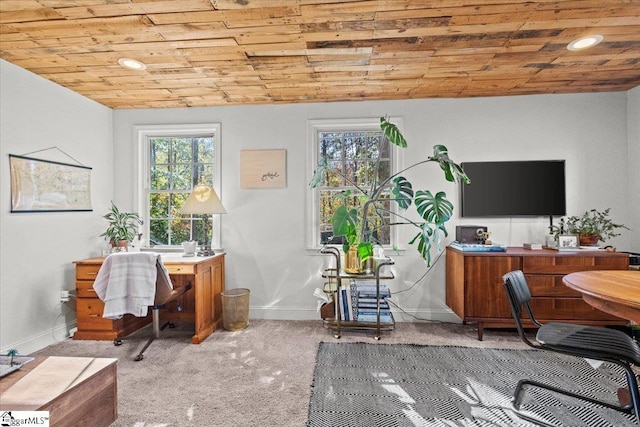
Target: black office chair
x=135 y=277
x=598 y=343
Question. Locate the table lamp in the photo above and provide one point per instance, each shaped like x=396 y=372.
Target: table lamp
x=204 y=201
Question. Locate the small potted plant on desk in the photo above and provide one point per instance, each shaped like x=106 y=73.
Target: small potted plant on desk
x=122 y=229
x=593 y=226
x=358 y=225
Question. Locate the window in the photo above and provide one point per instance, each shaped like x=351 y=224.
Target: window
x=352 y=149
x=174 y=159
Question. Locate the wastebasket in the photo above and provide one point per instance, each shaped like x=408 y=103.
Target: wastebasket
x=235 y=309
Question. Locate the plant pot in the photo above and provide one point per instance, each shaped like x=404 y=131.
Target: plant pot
x=122 y=246
x=589 y=240
x=352 y=264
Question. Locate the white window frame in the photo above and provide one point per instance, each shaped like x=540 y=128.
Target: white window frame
x=312 y=235
x=143 y=133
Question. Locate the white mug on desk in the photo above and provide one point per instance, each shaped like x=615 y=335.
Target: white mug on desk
x=189 y=248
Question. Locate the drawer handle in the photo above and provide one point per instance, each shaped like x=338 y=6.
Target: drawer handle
x=94 y=315
x=91 y=290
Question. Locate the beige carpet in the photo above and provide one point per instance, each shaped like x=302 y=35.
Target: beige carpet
x=260 y=376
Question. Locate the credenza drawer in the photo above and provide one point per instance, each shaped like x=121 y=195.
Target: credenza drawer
x=570 y=264
x=549 y=286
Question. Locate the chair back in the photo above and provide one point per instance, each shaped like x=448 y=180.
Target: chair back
x=164 y=287
x=519 y=296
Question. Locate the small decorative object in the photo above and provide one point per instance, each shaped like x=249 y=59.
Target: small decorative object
x=568 y=241
x=189 y=247
x=122 y=229
x=12 y=354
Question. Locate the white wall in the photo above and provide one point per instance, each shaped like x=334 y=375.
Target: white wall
x=37 y=249
x=633 y=137
x=263 y=232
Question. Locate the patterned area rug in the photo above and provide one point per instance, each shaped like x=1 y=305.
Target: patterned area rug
x=359 y=384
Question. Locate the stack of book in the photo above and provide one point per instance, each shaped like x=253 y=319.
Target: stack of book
x=359 y=302
x=472 y=247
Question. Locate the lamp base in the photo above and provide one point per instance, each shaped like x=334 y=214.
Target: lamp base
x=206 y=251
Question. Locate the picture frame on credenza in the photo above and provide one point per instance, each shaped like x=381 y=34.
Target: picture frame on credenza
x=568 y=241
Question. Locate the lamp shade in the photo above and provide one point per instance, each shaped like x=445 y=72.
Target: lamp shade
x=203 y=200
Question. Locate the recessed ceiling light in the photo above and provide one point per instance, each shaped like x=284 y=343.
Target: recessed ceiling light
x=585 y=42
x=133 y=64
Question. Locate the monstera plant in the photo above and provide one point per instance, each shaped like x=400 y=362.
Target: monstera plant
x=358 y=224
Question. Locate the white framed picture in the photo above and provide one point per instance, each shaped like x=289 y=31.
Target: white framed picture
x=567 y=241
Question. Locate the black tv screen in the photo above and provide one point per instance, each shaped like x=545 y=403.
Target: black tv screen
x=518 y=188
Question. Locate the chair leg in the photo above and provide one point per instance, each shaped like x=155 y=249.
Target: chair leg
x=520 y=388
x=632 y=383
x=155 y=313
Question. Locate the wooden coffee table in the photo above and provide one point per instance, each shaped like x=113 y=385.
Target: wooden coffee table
x=75 y=390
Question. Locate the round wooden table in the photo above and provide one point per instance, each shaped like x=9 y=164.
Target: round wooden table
x=615 y=292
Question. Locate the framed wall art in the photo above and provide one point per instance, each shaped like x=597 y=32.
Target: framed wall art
x=46 y=186
x=263 y=168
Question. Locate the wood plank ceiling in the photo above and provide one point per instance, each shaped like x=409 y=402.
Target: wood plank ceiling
x=226 y=52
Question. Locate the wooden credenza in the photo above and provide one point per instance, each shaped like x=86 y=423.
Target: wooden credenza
x=201 y=305
x=475 y=291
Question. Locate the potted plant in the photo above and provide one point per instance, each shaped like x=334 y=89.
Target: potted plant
x=123 y=227
x=593 y=226
x=357 y=224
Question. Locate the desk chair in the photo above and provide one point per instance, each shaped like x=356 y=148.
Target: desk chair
x=598 y=343
x=133 y=282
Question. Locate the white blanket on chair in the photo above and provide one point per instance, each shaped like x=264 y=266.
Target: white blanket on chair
x=126 y=283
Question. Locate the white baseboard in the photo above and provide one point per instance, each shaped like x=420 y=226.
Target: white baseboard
x=296 y=313
x=42 y=340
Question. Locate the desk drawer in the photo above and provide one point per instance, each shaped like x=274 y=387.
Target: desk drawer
x=180 y=269
x=89 y=312
x=87 y=272
x=84 y=289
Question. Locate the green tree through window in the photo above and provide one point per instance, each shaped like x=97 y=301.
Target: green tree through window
x=176 y=165
x=352 y=154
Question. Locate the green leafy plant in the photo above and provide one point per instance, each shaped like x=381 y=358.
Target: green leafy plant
x=594 y=223
x=435 y=210
x=123 y=226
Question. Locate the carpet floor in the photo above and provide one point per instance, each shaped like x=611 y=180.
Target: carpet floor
x=259 y=376
x=361 y=384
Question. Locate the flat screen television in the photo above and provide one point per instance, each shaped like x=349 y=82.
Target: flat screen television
x=514 y=188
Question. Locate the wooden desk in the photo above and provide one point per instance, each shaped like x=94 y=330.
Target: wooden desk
x=614 y=292
x=201 y=305
x=75 y=390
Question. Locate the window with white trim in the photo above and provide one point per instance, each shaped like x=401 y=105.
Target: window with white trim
x=173 y=160
x=352 y=149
